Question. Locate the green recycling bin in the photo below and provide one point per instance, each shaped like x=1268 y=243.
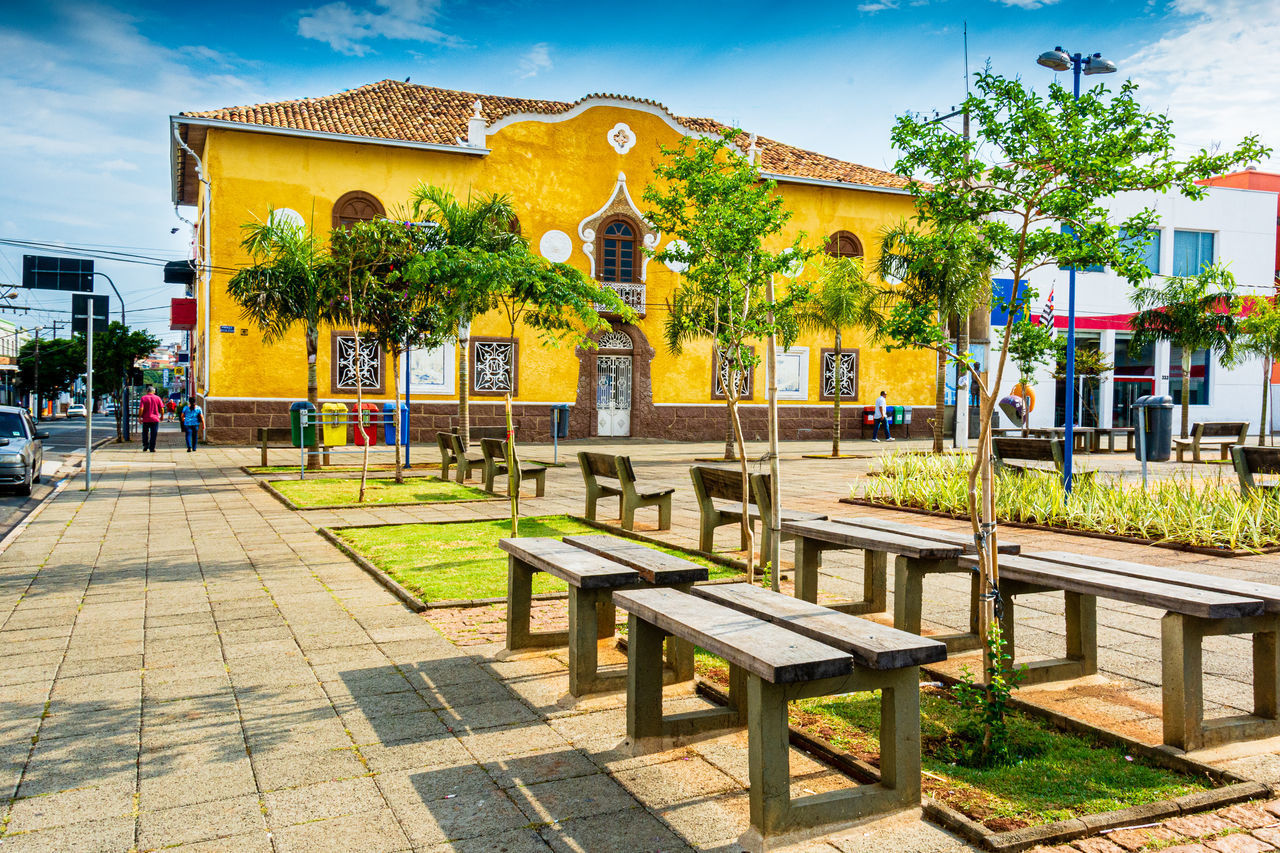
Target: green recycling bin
x=300 y=435
x=899 y=413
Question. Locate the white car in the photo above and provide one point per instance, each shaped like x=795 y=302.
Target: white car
x=75 y=410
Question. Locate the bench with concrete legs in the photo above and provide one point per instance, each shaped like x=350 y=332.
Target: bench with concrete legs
x=1223 y=435
x=494 y=451
x=1197 y=606
x=1250 y=462
x=719 y=494
x=597 y=466
x=593 y=567
x=464 y=463
x=779 y=650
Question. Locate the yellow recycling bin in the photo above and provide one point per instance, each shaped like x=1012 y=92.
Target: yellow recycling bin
x=334 y=418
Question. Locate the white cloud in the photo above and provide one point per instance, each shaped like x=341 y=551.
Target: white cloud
x=878 y=6
x=535 y=60
x=1213 y=71
x=1026 y=4
x=348 y=30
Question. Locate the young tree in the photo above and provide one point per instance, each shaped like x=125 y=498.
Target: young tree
x=722 y=213
x=842 y=298
x=480 y=224
x=1260 y=336
x=1192 y=312
x=1037 y=162
x=114 y=353
x=947 y=271
x=287 y=284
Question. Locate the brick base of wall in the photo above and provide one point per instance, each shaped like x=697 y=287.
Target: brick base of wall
x=238 y=421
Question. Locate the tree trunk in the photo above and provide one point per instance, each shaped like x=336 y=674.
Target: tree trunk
x=729 y=433
x=513 y=476
x=775 y=469
x=464 y=383
x=836 y=378
x=940 y=393
x=1186 y=390
x=747 y=532
x=1263 y=431
x=313 y=394
x=395 y=418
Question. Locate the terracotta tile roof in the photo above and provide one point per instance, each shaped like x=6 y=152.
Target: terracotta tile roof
x=390 y=109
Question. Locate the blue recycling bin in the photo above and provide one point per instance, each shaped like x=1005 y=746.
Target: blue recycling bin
x=389 y=423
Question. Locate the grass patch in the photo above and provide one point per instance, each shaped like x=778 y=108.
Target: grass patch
x=326 y=469
x=1207 y=514
x=339 y=491
x=463 y=561
x=1057 y=776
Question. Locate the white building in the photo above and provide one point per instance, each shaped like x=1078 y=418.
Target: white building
x=1234 y=226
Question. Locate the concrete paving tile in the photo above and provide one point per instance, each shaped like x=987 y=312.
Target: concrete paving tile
x=306 y=768
x=674 y=782
x=471 y=718
x=377 y=832
x=382 y=705
x=707 y=822
x=429 y=815
x=108 y=835
x=50 y=810
x=540 y=767
x=481 y=691
x=187 y=824
x=439 y=751
x=163 y=785
x=513 y=841
x=251 y=842
x=324 y=800
x=634 y=830
x=550 y=802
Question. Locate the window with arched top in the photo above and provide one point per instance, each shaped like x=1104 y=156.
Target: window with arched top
x=356 y=206
x=618 y=255
x=843 y=244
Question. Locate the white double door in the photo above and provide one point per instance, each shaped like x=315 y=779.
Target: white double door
x=613 y=395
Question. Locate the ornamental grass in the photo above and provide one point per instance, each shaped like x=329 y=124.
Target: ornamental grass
x=1207 y=514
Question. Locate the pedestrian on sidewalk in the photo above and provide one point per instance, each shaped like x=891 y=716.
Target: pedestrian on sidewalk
x=150 y=410
x=192 y=423
x=171 y=408
x=882 y=418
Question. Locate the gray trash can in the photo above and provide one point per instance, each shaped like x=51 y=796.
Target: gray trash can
x=1157 y=440
x=560 y=420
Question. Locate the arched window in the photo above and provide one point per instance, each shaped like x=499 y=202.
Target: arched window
x=356 y=206
x=843 y=244
x=618 y=251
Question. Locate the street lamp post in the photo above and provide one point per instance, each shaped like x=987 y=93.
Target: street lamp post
x=1059 y=60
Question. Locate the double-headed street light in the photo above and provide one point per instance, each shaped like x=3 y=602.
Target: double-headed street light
x=1059 y=60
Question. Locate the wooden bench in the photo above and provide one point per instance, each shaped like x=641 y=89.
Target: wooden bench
x=1251 y=461
x=1204 y=434
x=593 y=567
x=602 y=465
x=275 y=438
x=465 y=463
x=1197 y=606
x=494 y=452
x=719 y=493
x=1085 y=438
x=780 y=650
x=1006 y=450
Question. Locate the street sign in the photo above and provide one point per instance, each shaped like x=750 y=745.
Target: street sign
x=80 y=311
x=45 y=272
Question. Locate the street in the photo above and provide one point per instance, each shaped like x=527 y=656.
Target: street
x=66 y=436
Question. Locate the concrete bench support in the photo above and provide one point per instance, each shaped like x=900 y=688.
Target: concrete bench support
x=908 y=597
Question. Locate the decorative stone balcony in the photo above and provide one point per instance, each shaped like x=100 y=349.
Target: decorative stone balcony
x=631 y=293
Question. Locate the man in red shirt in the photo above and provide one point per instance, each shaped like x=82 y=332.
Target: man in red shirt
x=149 y=411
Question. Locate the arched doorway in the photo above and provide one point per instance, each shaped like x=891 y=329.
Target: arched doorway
x=613 y=384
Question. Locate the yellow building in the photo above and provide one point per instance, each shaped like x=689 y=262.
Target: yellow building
x=576 y=174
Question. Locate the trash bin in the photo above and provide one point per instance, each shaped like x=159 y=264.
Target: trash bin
x=302 y=435
x=1157 y=440
x=899 y=412
x=389 y=423
x=560 y=420
x=334 y=418
x=868 y=420
x=366 y=430
x=906 y=414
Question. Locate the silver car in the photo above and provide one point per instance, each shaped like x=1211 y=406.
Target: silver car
x=21 y=450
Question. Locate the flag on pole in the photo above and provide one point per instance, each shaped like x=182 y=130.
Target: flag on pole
x=1046 y=315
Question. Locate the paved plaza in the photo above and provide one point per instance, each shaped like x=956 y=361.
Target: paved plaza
x=189 y=664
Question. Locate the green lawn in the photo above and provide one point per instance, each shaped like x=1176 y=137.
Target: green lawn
x=337 y=491
x=1058 y=775
x=327 y=469
x=459 y=561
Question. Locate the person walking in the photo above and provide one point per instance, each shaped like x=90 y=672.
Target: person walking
x=192 y=424
x=882 y=418
x=150 y=410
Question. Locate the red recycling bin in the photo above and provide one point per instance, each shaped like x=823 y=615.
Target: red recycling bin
x=366 y=431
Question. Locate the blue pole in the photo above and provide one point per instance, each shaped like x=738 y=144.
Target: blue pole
x=1067 y=450
x=407 y=407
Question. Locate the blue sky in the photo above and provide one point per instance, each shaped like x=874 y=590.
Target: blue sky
x=87 y=88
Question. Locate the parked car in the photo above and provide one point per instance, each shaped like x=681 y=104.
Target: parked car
x=21 y=449
x=110 y=409
x=75 y=410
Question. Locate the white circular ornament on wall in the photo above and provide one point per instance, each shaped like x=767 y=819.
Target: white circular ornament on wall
x=286 y=216
x=677 y=266
x=555 y=246
x=621 y=137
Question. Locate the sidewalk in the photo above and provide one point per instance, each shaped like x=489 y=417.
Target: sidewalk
x=189 y=665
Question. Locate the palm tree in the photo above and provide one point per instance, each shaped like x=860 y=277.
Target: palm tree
x=485 y=223
x=1193 y=312
x=844 y=298
x=1261 y=332
x=948 y=270
x=285 y=285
